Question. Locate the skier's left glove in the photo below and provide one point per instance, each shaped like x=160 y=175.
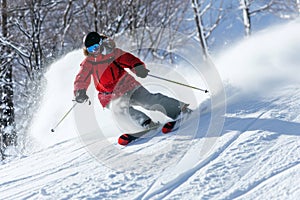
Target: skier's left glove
x=80 y=96
x=141 y=71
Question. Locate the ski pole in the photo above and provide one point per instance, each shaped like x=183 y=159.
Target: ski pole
x=206 y=91
x=60 y=121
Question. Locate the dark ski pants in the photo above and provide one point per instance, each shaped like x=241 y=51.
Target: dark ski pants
x=153 y=102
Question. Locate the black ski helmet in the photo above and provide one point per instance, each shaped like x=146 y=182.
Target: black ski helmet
x=91 y=38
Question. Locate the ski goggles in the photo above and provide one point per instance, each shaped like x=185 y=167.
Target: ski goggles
x=94 y=48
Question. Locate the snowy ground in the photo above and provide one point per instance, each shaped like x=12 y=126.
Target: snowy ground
x=256 y=155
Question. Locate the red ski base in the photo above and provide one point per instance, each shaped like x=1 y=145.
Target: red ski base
x=168 y=127
x=125 y=139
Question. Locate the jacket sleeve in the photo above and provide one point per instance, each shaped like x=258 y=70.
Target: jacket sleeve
x=83 y=78
x=128 y=60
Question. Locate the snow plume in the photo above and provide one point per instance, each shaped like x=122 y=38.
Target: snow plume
x=263 y=62
x=56 y=101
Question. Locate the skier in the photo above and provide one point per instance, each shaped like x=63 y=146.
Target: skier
x=106 y=64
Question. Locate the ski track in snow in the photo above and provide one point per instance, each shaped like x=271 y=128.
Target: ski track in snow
x=169 y=187
x=263 y=146
x=256 y=156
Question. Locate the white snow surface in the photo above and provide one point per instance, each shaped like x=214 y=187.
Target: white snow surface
x=256 y=155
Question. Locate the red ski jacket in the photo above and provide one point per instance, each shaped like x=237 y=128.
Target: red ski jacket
x=109 y=74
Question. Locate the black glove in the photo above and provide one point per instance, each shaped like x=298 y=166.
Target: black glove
x=80 y=96
x=141 y=71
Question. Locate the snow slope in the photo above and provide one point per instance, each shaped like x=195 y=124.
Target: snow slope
x=256 y=155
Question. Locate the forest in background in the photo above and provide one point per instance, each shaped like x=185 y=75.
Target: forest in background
x=35 y=33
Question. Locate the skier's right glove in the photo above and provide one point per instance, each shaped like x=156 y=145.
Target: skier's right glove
x=80 y=96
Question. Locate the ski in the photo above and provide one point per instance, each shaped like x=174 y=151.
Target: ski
x=127 y=138
x=170 y=126
x=175 y=124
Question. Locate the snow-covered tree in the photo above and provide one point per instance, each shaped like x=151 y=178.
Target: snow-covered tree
x=246 y=16
x=208 y=15
x=282 y=9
